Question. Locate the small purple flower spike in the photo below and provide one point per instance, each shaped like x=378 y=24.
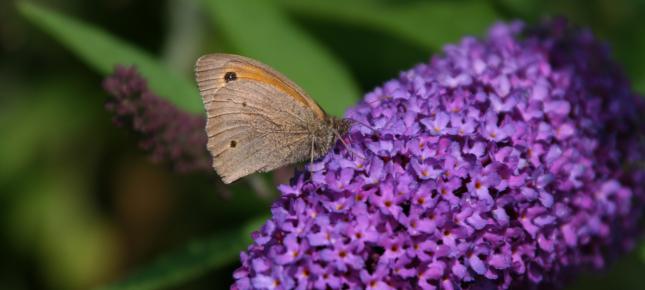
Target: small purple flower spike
x=168 y=133
x=507 y=162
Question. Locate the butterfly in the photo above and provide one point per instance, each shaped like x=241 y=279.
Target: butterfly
x=258 y=119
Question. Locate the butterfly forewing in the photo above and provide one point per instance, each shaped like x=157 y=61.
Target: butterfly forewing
x=211 y=71
x=253 y=124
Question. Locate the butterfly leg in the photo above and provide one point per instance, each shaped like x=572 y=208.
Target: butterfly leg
x=313 y=141
x=351 y=151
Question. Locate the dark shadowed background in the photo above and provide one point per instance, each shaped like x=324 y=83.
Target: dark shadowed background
x=82 y=206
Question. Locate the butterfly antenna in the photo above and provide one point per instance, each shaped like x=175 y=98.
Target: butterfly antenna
x=364 y=125
x=379 y=99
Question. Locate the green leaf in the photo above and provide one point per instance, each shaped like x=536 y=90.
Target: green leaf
x=103 y=51
x=60 y=100
x=73 y=256
x=430 y=24
x=624 y=273
x=259 y=29
x=192 y=261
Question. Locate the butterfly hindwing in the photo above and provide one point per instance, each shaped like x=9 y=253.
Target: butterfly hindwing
x=252 y=127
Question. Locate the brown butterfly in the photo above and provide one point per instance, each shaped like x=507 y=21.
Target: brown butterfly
x=259 y=120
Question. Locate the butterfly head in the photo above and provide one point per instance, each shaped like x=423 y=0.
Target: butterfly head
x=341 y=125
x=326 y=134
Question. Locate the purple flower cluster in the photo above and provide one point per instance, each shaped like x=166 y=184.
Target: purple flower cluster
x=509 y=161
x=168 y=133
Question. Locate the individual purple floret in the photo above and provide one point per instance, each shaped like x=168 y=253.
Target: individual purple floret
x=168 y=133
x=507 y=162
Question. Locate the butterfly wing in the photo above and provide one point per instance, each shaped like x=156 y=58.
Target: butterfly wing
x=253 y=124
x=211 y=69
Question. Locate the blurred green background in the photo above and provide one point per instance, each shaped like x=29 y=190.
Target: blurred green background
x=81 y=207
